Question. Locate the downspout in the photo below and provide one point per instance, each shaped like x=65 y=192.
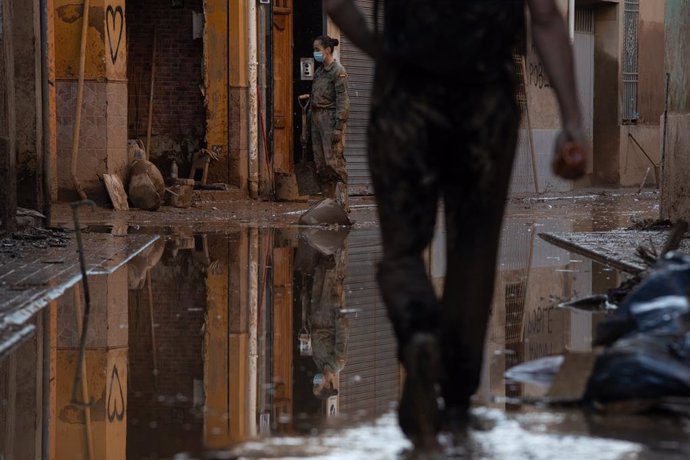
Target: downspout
x=252 y=96
x=253 y=339
x=45 y=112
x=571 y=20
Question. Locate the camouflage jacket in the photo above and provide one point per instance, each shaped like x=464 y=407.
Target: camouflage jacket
x=329 y=91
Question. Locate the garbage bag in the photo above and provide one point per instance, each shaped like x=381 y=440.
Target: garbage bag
x=658 y=300
x=647 y=339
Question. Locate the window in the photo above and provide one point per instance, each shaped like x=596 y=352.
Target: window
x=631 y=19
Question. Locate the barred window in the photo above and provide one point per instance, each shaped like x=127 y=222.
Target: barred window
x=631 y=18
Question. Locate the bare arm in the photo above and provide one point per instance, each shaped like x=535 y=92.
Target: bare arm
x=347 y=16
x=551 y=39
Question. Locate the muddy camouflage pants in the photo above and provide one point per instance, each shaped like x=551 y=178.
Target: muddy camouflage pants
x=433 y=140
x=329 y=157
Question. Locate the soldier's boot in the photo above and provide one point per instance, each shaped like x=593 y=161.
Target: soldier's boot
x=418 y=413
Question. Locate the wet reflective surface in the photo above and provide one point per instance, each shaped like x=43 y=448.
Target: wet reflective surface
x=208 y=344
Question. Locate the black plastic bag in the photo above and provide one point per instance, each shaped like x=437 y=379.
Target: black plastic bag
x=647 y=339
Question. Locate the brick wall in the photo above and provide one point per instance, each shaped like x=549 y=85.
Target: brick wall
x=165 y=422
x=179 y=116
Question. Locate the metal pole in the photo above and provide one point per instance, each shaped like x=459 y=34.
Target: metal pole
x=663 y=142
x=151 y=89
x=252 y=76
x=80 y=99
x=45 y=111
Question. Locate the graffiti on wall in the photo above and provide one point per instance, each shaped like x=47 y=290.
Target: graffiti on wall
x=536 y=73
x=116 y=398
x=114 y=26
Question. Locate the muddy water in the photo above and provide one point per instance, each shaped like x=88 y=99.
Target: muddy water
x=207 y=346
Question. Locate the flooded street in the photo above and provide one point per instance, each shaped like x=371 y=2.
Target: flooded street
x=206 y=345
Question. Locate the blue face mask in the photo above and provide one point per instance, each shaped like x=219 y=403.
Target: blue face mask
x=318 y=56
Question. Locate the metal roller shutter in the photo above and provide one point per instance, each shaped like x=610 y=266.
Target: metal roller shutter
x=360 y=70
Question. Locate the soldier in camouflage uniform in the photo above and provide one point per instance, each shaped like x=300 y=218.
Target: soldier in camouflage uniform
x=322 y=261
x=330 y=109
x=443 y=126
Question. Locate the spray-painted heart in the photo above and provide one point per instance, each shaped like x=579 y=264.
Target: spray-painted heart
x=114 y=25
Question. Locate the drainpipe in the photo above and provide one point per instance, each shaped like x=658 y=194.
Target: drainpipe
x=46 y=139
x=252 y=75
x=571 y=20
x=253 y=355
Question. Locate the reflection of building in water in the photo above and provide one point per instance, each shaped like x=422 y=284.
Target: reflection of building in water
x=100 y=428
x=371 y=380
x=166 y=313
x=532 y=277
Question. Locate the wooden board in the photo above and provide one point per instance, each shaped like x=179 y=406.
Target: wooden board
x=116 y=192
x=616 y=248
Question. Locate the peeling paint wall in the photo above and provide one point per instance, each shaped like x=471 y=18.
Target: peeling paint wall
x=607 y=90
x=216 y=55
x=27 y=55
x=675 y=191
x=103 y=137
x=238 y=104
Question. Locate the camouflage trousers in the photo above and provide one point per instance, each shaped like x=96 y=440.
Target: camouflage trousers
x=433 y=140
x=329 y=157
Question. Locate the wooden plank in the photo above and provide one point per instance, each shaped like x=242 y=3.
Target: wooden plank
x=616 y=249
x=8 y=151
x=116 y=192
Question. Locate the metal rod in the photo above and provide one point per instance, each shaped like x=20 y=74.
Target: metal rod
x=81 y=370
x=83 y=326
x=641 y=149
x=80 y=99
x=663 y=142
x=533 y=156
x=252 y=97
x=47 y=174
x=153 y=333
x=151 y=89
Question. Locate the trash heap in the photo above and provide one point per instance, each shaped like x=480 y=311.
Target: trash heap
x=641 y=357
x=647 y=339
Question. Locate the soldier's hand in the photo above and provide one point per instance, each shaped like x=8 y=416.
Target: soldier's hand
x=336 y=137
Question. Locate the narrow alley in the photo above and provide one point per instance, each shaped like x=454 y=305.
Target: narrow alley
x=217 y=232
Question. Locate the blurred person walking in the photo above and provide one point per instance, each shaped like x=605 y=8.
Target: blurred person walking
x=443 y=126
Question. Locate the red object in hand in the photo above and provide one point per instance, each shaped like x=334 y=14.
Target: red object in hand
x=571 y=161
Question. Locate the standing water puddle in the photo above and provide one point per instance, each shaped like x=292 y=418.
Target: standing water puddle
x=207 y=342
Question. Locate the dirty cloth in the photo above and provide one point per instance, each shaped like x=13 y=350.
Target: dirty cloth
x=430 y=139
x=648 y=339
x=330 y=109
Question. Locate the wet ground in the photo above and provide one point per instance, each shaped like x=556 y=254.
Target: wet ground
x=207 y=343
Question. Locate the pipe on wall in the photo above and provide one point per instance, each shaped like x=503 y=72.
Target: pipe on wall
x=253 y=326
x=253 y=102
x=47 y=176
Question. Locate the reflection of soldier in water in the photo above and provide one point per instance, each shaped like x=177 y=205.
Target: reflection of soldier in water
x=322 y=260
